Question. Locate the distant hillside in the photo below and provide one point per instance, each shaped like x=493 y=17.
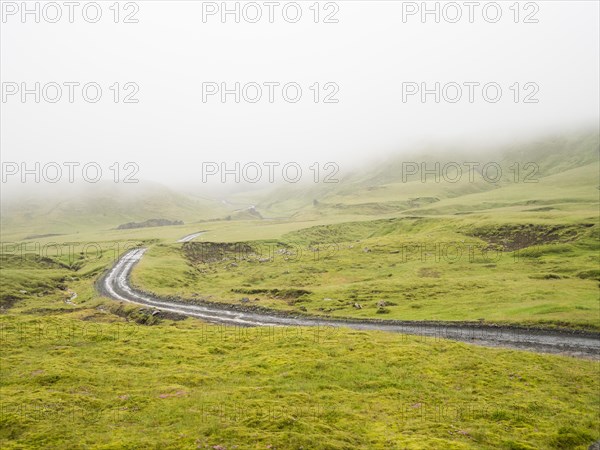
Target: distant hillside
x=517 y=171
x=555 y=173
x=57 y=210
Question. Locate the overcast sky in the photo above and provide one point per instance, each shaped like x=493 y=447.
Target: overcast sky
x=369 y=53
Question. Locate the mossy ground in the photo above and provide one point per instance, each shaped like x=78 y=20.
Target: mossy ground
x=90 y=379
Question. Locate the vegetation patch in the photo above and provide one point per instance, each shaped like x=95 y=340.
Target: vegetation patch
x=593 y=274
x=149 y=223
x=210 y=252
x=518 y=236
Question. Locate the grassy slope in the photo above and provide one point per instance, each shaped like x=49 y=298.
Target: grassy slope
x=544 y=287
x=382 y=189
x=548 y=284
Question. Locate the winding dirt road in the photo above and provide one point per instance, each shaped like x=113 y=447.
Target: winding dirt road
x=190 y=237
x=115 y=284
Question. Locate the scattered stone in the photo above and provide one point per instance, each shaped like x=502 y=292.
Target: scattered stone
x=381 y=303
x=303 y=308
x=327 y=299
x=73 y=296
x=155 y=313
x=394 y=252
x=245 y=300
x=367 y=250
x=23 y=292
x=357 y=306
